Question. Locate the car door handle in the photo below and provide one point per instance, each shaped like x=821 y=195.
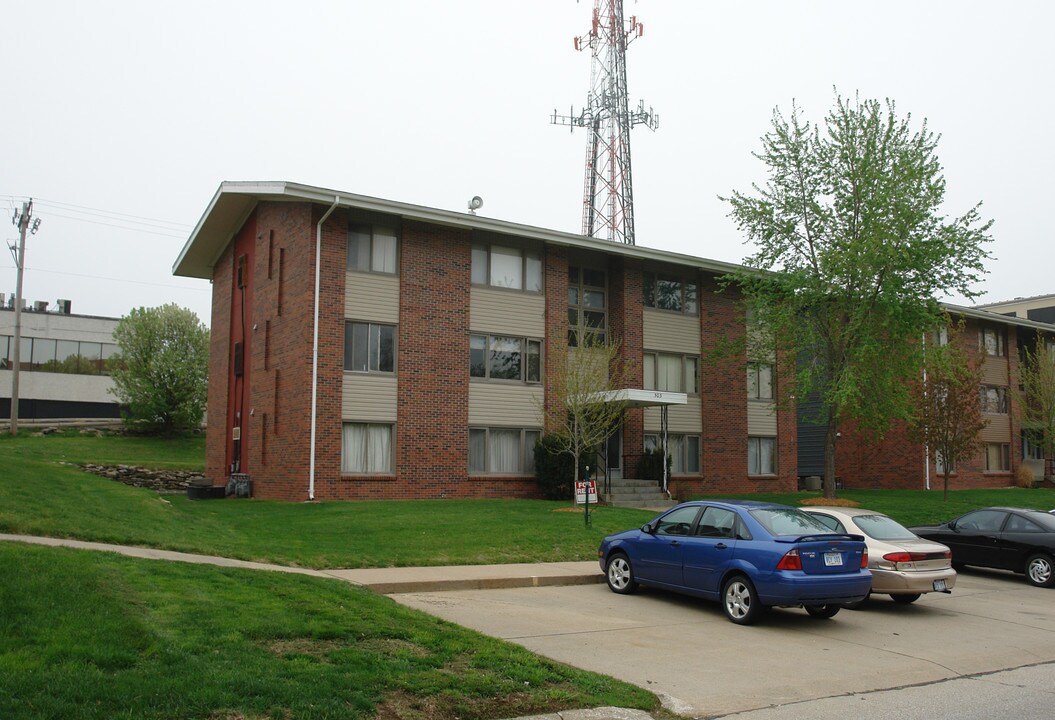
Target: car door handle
x=721 y=546
x=674 y=542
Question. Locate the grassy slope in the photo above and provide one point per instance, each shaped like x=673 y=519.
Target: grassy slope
x=94 y=635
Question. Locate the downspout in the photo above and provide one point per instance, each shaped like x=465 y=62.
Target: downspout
x=315 y=347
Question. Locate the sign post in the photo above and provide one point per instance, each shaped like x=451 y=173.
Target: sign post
x=585 y=492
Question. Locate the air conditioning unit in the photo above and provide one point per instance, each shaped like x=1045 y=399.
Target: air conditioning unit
x=40 y=306
x=62 y=306
x=3 y=300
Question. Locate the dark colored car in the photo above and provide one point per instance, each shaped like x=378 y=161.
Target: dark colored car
x=748 y=555
x=1005 y=538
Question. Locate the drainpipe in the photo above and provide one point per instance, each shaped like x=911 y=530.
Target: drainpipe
x=926 y=448
x=315 y=347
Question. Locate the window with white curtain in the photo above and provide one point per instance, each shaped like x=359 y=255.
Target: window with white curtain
x=761 y=456
x=507 y=451
x=759 y=381
x=684 y=451
x=671 y=373
x=507 y=267
x=366 y=448
x=372 y=248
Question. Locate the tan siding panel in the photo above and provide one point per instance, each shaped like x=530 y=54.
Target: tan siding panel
x=505 y=405
x=762 y=419
x=671 y=332
x=368 y=398
x=998 y=429
x=994 y=371
x=680 y=419
x=507 y=313
x=368 y=296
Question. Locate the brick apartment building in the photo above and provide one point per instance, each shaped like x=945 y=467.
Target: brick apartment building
x=366 y=349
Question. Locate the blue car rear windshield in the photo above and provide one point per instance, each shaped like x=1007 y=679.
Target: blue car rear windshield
x=788 y=521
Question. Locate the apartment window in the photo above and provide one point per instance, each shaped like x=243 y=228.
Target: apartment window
x=994 y=400
x=997 y=457
x=495 y=357
x=759 y=381
x=509 y=451
x=941 y=336
x=366 y=448
x=684 y=451
x=761 y=456
x=587 y=307
x=1032 y=447
x=666 y=292
x=372 y=248
x=369 y=347
x=993 y=342
x=507 y=267
x=5 y=352
x=672 y=373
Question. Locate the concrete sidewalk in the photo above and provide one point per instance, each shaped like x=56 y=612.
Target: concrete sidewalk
x=385 y=581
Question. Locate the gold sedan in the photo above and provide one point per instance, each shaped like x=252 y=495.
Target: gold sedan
x=903 y=565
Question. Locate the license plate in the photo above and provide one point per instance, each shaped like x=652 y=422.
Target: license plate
x=939 y=586
x=832 y=559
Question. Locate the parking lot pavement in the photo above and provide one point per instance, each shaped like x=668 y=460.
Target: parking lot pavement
x=701 y=665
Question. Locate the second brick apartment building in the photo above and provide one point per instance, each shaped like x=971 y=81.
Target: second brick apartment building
x=365 y=349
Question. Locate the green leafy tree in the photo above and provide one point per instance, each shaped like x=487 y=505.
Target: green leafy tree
x=947 y=411
x=852 y=250
x=1036 y=393
x=160 y=373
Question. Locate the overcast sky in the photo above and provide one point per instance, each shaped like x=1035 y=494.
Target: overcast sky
x=121 y=118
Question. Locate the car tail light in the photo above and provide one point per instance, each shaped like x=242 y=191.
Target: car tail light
x=864 y=558
x=790 y=561
x=907 y=557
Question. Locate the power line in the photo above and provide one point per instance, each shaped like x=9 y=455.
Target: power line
x=120 y=227
x=113 y=279
x=125 y=218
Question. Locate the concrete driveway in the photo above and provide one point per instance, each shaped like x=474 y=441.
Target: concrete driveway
x=702 y=665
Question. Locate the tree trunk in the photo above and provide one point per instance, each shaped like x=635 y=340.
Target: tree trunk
x=830 y=435
x=945 y=494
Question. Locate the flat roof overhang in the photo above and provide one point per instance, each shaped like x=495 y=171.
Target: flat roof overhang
x=643 y=398
x=234 y=201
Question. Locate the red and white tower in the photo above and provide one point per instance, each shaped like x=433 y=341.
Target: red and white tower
x=608 y=199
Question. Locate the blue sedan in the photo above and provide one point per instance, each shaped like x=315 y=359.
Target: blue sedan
x=748 y=555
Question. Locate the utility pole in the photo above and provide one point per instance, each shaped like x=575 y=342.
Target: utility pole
x=25 y=223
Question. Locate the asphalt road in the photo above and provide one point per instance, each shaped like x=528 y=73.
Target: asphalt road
x=943 y=657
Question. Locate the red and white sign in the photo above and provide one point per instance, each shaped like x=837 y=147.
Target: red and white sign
x=584 y=488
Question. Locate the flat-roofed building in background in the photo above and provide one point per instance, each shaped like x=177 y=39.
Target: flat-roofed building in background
x=63 y=371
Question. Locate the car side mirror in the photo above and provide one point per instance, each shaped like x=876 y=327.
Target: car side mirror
x=952 y=526
x=648 y=529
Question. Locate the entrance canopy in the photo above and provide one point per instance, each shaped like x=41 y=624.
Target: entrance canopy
x=643 y=398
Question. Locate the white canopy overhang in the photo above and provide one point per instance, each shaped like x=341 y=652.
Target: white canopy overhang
x=643 y=398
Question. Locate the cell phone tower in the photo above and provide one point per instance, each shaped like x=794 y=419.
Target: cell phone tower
x=608 y=198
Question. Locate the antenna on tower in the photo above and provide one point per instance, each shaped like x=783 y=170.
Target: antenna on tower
x=608 y=198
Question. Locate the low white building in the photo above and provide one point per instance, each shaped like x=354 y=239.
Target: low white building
x=63 y=364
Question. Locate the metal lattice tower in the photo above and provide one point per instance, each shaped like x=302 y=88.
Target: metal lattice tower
x=608 y=199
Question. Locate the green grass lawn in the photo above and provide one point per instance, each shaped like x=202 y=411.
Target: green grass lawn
x=94 y=635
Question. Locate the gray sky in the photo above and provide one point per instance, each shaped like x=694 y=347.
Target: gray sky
x=122 y=118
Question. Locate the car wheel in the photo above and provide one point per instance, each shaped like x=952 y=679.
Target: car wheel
x=905 y=599
x=823 y=612
x=1039 y=571
x=620 y=574
x=740 y=601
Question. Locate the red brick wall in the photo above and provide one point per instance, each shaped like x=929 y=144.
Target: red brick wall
x=219 y=365
x=556 y=343
x=895 y=462
x=626 y=323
